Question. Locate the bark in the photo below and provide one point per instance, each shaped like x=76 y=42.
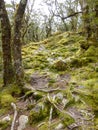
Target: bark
x=96 y=17
x=86 y=19
x=17 y=42
x=6 y=45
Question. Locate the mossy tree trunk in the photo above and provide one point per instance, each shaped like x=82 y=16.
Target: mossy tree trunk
x=96 y=18
x=17 y=42
x=6 y=45
x=86 y=20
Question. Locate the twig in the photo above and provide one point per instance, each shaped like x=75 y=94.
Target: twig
x=42 y=123
x=50 y=118
x=49 y=90
x=15 y=115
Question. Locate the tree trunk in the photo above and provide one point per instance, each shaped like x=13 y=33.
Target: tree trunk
x=17 y=42
x=96 y=17
x=6 y=45
x=86 y=19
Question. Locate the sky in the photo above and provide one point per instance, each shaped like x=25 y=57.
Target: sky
x=37 y=5
x=37 y=2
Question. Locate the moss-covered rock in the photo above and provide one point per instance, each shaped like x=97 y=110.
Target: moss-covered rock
x=6 y=99
x=38 y=113
x=92 y=51
x=60 y=65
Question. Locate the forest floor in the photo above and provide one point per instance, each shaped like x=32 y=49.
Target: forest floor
x=61 y=90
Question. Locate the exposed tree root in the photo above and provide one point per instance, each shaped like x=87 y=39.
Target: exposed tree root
x=15 y=115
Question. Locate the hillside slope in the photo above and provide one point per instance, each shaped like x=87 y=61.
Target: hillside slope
x=61 y=93
x=70 y=64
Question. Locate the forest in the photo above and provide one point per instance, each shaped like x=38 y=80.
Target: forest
x=48 y=64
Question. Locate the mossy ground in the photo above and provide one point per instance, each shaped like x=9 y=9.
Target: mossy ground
x=64 y=54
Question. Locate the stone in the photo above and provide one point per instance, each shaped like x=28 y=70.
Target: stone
x=23 y=120
x=7 y=118
x=59 y=126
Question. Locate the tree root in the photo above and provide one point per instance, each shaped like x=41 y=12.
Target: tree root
x=15 y=115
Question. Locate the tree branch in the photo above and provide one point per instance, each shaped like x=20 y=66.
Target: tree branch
x=70 y=15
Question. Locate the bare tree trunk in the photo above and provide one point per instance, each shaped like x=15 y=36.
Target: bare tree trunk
x=17 y=42
x=6 y=45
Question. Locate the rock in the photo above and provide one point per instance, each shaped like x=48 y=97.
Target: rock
x=59 y=126
x=73 y=126
x=39 y=81
x=6 y=119
x=59 y=96
x=23 y=120
x=65 y=101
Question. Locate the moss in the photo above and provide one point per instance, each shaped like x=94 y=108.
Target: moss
x=36 y=117
x=5 y=100
x=1 y=82
x=84 y=44
x=75 y=62
x=92 y=51
x=73 y=49
x=12 y=89
x=38 y=114
x=95 y=97
x=36 y=95
x=96 y=120
x=3 y=111
x=67 y=120
x=63 y=41
x=60 y=65
x=96 y=69
x=44 y=127
x=4 y=125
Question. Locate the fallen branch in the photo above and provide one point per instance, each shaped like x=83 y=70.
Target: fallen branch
x=15 y=115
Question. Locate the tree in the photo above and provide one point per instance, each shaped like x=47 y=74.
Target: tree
x=96 y=19
x=86 y=19
x=17 y=42
x=6 y=45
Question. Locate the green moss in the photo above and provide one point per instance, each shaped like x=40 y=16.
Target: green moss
x=95 y=97
x=43 y=127
x=75 y=62
x=3 y=111
x=63 y=41
x=5 y=100
x=92 y=51
x=4 y=125
x=96 y=120
x=67 y=120
x=39 y=113
x=1 y=82
x=84 y=44
x=36 y=117
x=12 y=89
x=96 y=69
x=60 y=65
